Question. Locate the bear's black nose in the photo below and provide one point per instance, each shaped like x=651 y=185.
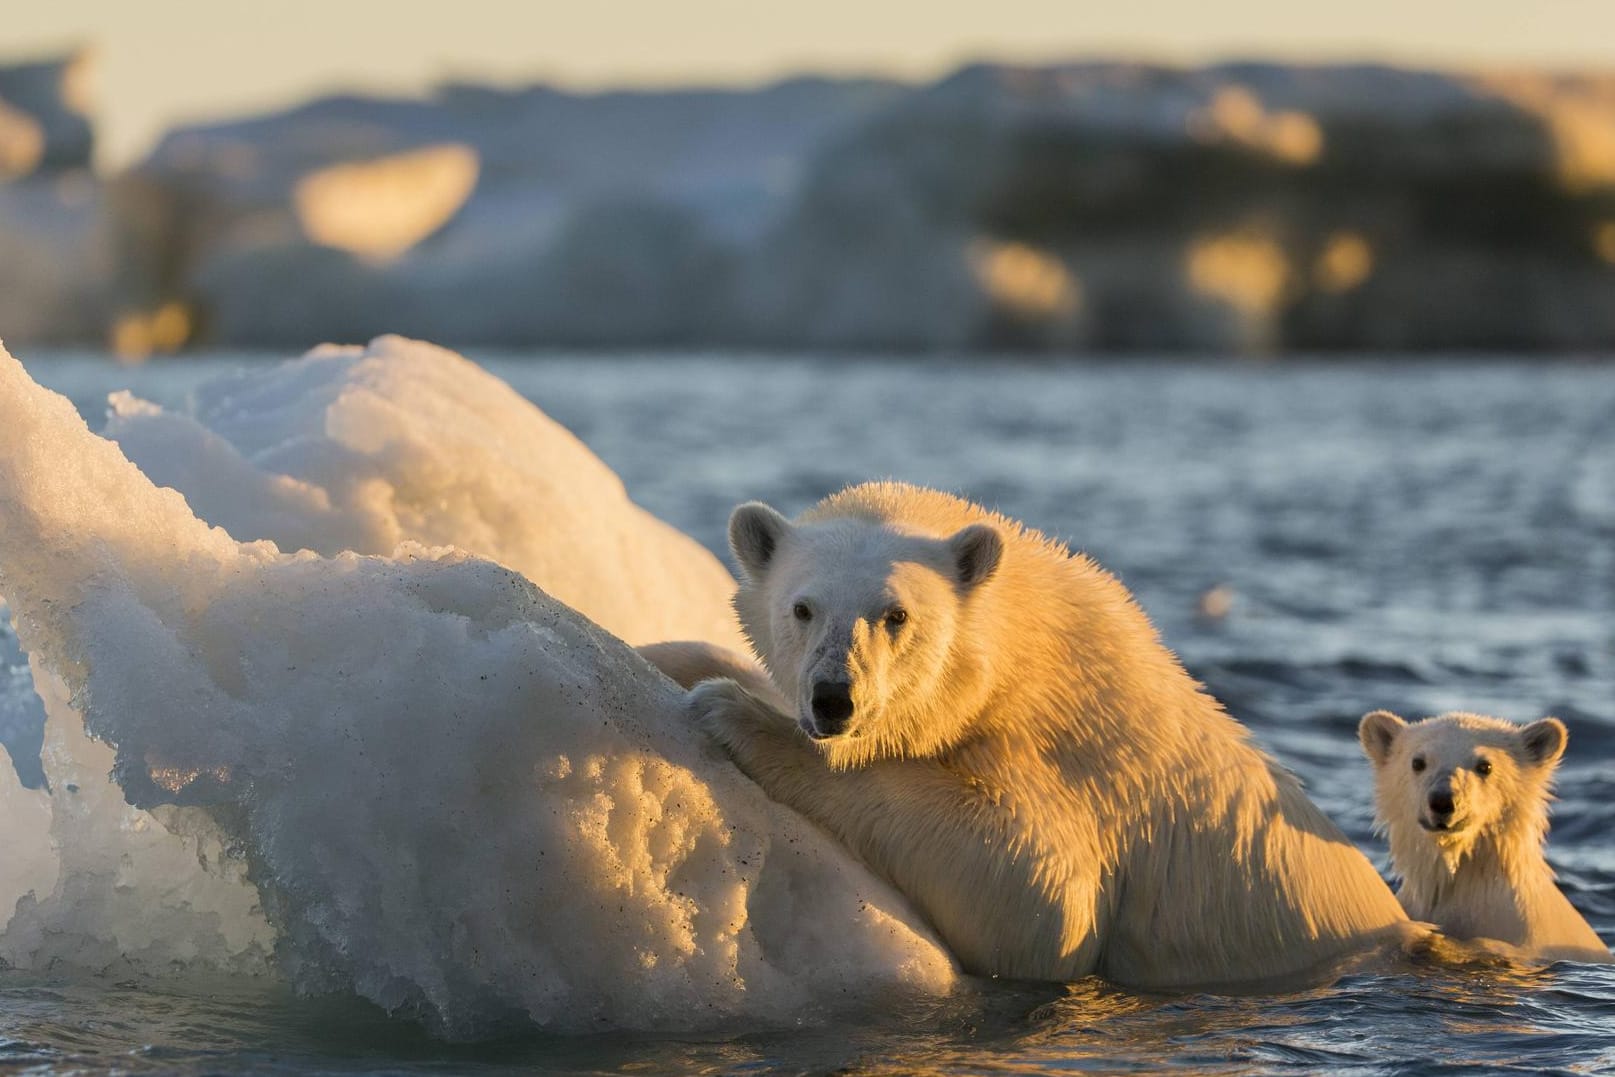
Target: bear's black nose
x=1441 y=802
x=832 y=707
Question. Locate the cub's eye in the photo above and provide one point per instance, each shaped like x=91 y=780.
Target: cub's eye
x=1483 y=767
x=1418 y=763
x=801 y=612
x=896 y=617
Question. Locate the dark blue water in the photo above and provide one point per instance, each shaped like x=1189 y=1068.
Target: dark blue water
x=1418 y=537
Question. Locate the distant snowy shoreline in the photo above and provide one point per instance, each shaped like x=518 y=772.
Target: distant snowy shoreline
x=1241 y=208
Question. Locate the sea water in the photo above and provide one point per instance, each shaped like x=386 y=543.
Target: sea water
x=1315 y=539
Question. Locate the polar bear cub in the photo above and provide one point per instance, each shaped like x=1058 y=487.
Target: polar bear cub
x=1464 y=800
x=992 y=723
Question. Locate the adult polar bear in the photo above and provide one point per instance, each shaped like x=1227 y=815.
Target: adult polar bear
x=995 y=726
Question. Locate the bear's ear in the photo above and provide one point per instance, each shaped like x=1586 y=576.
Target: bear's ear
x=976 y=551
x=1378 y=732
x=755 y=532
x=1544 y=741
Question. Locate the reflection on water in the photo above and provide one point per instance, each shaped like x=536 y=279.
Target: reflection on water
x=1420 y=538
x=1365 y=1023
x=1360 y=1021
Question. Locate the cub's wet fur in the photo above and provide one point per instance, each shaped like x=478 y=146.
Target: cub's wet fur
x=1464 y=800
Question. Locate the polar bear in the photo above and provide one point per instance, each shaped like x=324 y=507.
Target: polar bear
x=994 y=725
x=1464 y=800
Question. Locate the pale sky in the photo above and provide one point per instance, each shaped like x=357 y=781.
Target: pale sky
x=167 y=61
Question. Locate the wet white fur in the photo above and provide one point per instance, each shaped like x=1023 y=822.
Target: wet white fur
x=1026 y=761
x=1484 y=876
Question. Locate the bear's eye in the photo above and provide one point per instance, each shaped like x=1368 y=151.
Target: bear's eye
x=896 y=617
x=1483 y=767
x=801 y=612
x=1418 y=763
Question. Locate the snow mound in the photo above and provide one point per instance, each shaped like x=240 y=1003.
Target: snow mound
x=418 y=777
x=361 y=449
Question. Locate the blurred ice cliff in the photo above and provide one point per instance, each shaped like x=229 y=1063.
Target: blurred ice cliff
x=1245 y=208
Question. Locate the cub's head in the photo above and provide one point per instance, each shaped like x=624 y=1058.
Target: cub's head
x=864 y=627
x=1460 y=778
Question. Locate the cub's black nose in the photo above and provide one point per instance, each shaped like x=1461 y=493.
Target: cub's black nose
x=832 y=707
x=1441 y=802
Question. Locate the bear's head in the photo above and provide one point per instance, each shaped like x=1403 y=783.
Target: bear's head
x=1457 y=779
x=865 y=627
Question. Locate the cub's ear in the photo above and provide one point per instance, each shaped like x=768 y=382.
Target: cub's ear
x=1378 y=732
x=976 y=551
x=755 y=534
x=1544 y=741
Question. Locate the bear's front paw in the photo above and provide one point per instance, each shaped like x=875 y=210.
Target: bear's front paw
x=719 y=707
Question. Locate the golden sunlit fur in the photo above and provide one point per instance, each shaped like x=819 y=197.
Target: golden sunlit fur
x=1478 y=872
x=1024 y=759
